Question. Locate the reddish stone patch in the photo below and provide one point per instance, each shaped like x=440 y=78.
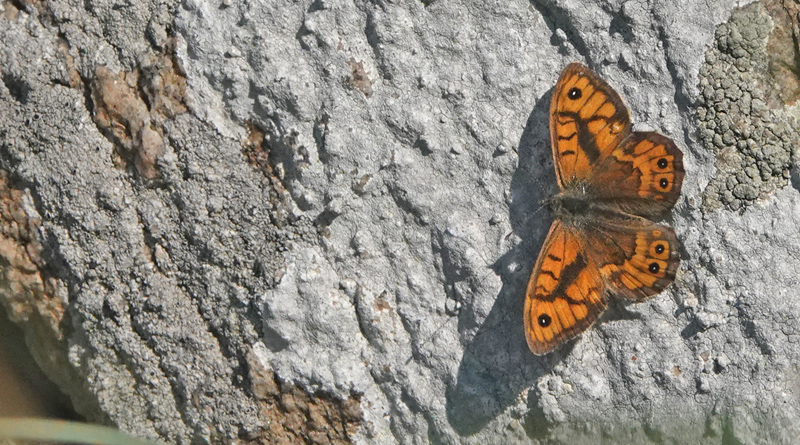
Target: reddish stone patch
x=29 y=292
x=784 y=53
x=295 y=416
x=359 y=78
x=130 y=106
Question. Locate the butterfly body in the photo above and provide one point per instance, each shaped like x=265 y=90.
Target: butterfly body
x=577 y=202
x=603 y=241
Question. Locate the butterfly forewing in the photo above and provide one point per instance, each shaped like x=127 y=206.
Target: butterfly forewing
x=587 y=122
x=565 y=294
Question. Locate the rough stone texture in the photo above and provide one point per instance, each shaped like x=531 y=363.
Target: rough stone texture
x=745 y=115
x=285 y=221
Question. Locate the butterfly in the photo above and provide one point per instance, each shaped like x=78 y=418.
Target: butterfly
x=613 y=182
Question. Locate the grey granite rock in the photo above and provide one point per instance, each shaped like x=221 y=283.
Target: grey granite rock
x=256 y=215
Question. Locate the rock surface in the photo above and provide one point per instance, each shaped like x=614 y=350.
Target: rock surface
x=315 y=221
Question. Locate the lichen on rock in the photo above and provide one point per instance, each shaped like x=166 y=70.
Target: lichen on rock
x=752 y=135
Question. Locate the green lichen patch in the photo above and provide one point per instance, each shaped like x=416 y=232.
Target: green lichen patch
x=744 y=113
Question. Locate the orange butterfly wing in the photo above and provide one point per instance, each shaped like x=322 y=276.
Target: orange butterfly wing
x=638 y=258
x=565 y=293
x=602 y=242
x=587 y=122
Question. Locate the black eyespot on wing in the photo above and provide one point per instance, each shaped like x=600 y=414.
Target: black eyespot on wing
x=544 y=320
x=574 y=93
x=662 y=163
x=660 y=248
x=654 y=268
x=664 y=183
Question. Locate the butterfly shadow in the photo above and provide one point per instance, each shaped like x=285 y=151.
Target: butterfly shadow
x=497 y=366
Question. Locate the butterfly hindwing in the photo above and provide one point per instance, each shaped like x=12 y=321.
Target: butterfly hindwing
x=643 y=176
x=638 y=258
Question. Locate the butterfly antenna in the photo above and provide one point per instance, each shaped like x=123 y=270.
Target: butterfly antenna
x=528 y=217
